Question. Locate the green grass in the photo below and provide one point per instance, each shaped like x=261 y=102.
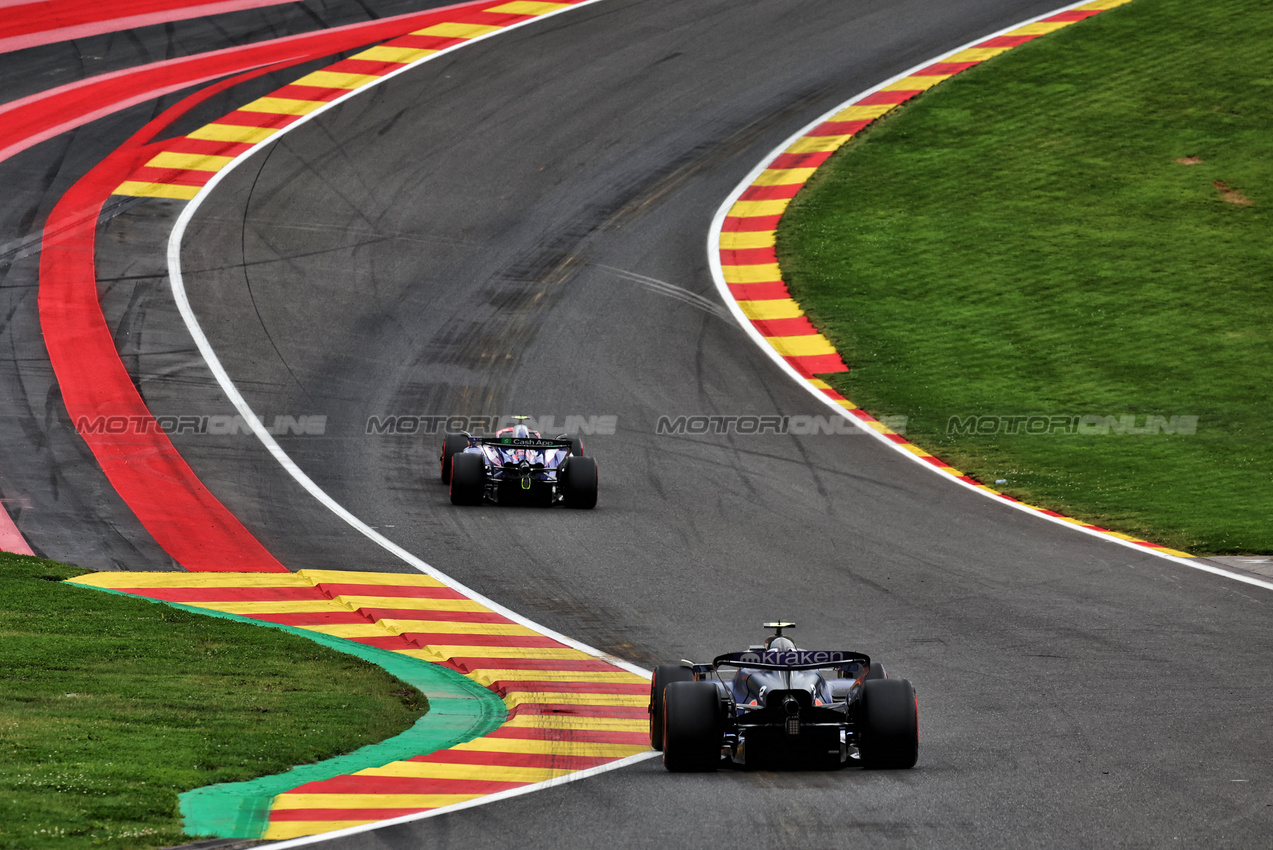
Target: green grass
x=1022 y=239
x=110 y=706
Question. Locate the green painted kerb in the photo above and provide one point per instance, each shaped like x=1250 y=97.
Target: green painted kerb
x=459 y=710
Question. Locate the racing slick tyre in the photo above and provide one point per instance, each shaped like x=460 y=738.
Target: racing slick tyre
x=876 y=671
x=578 y=479
x=664 y=675
x=691 y=727
x=468 y=479
x=452 y=444
x=576 y=447
x=888 y=715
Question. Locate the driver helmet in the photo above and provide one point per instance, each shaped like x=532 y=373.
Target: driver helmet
x=521 y=431
x=779 y=644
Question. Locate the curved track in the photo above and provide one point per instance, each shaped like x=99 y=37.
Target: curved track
x=479 y=236
x=49 y=480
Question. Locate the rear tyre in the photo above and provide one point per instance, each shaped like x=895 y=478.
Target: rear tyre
x=452 y=444
x=577 y=477
x=468 y=479
x=664 y=675
x=691 y=727
x=888 y=715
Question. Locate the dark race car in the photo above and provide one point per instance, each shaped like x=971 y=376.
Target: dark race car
x=518 y=466
x=783 y=707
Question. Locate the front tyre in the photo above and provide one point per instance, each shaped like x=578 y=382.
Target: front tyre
x=664 y=675
x=577 y=478
x=468 y=478
x=888 y=716
x=691 y=727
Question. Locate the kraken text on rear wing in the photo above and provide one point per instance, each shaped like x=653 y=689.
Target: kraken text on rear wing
x=791 y=659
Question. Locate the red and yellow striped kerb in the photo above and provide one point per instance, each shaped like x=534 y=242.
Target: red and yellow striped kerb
x=749 y=264
x=187 y=163
x=568 y=710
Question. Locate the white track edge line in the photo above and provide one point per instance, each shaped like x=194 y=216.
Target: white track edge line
x=227 y=385
x=177 y=283
x=713 y=257
x=586 y=773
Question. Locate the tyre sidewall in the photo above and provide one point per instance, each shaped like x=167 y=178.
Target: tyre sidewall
x=888 y=717
x=468 y=479
x=452 y=444
x=664 y=675
x=578 y=480
x=691 y=727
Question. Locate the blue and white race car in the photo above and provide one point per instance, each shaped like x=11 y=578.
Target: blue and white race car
x=518 y=466
x=778 y=706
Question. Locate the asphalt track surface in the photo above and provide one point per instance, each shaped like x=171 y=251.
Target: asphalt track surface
x=467 y=238
x=49 y=481
x=49 y=65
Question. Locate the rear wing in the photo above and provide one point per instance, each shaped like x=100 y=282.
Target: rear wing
x=791 y=659
x=520 y=443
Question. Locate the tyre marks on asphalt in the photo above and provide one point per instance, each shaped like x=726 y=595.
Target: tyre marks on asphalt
x=141 y=463
x=101 y=399
x=30 y=120
x=568 y=710
x=186 y=164
x=31 y=24
x=749 y=267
